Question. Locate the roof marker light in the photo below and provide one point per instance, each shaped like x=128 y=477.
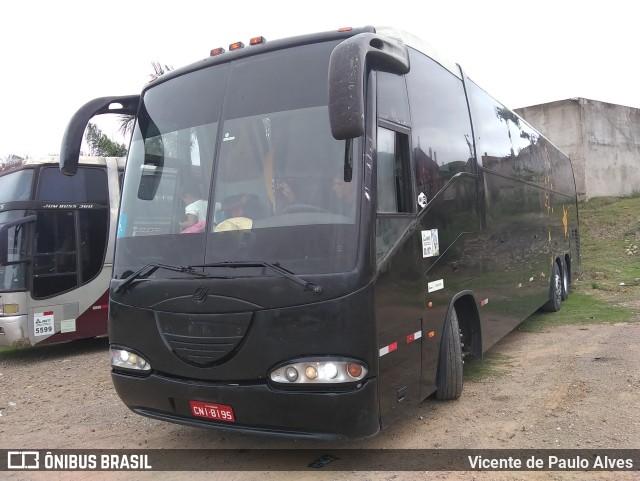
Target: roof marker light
x=236 y=46
x=345 y=29
x=257 y=41
x=217 y=51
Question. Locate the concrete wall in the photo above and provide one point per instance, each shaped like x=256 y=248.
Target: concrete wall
x=602 y=140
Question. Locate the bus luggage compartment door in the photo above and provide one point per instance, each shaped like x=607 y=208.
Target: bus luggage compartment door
x=399 y=370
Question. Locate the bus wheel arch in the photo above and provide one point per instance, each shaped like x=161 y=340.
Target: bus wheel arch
x=461 y=335
x=469 y=322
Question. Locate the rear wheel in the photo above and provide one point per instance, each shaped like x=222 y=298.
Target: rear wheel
x=555 y=291
x=450 y=364
x=566 y=280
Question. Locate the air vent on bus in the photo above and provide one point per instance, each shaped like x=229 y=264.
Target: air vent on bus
x=203 y=339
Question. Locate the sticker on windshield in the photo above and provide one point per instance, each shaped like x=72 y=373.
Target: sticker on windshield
x=228 y=137
x=430 y=243
x=122 y=226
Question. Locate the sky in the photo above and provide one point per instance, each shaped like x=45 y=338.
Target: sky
x=58 y=55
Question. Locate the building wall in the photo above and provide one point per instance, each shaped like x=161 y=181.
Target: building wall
x=602 y=140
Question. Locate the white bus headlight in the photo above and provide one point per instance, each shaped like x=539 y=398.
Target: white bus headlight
x=291 y=373
x=124 y=359
x=319 y=371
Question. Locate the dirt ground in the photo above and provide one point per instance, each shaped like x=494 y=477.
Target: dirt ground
x=568 y=387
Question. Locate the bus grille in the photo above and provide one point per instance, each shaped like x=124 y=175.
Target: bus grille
x=204 y=339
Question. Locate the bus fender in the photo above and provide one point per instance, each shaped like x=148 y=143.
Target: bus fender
x=469 y=324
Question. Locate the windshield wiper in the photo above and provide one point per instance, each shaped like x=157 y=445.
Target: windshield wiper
x=150 y=268
x=274 y=266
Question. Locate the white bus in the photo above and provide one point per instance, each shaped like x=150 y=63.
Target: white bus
x=56 y=248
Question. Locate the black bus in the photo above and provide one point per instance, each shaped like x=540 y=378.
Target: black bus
x=372 y=216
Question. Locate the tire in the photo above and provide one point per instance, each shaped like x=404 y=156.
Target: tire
x=450 y=363
x=566 y=281
x=555 y=291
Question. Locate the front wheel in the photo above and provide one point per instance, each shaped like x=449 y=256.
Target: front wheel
x=450 y=364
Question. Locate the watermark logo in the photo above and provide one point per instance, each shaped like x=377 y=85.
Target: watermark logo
x=23 y=460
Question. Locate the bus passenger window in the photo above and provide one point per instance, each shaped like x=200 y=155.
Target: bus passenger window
x=440 y=125
x=393 y=190
x=394 y=179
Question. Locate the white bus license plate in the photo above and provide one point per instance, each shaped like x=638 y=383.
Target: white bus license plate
x=219 y=412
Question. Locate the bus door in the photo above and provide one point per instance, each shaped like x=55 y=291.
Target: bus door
x=398 y=307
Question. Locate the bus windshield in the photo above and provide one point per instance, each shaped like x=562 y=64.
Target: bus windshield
x=236 y=162
x=15 y=186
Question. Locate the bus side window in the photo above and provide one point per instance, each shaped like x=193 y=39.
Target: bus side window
x=70 y=244
x=54 y=260
x=394 y=178
x=393 y=192
x=440 y=125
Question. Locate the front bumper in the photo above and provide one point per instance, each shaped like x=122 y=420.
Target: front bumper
x=258 y=408
x=13 y=331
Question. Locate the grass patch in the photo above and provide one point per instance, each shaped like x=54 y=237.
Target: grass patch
x=492 y=365
x=609 y=278
x=608 y=286
x=10 y=352
x=51 y=352
x=610 y=242
x=578 y=309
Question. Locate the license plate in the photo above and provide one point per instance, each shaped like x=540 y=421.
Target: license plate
x=219 y=412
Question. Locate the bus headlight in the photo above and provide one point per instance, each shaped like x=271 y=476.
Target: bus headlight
x=319 y=371
x=131 y=361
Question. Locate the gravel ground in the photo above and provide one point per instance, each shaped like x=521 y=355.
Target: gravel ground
x=569 y=387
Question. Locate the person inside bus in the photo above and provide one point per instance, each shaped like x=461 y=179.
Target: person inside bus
x=284 y=195
x=344 y=196
x=238 y=205
x=195 y=209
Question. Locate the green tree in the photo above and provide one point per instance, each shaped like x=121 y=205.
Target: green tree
x=101 y=145
x=127 y=121
x=10 y=161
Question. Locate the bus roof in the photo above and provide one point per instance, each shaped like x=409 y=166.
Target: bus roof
x=410 y=40
x=84 y=160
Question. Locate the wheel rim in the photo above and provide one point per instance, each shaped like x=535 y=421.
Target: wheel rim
x=558 y=289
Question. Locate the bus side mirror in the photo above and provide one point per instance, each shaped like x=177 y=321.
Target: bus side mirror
x=150 y=178
x=4 y=238
x=347 y=68
x=72 y=138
